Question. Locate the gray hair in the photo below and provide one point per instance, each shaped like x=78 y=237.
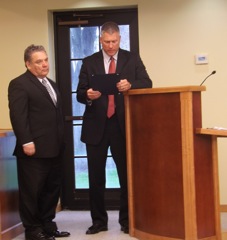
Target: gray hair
x=30 y=50
x=109 y=27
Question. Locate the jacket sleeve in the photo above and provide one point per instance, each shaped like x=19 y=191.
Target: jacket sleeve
x=83 y=84
x=142 y=79
x=134 y=70
x=18 y=109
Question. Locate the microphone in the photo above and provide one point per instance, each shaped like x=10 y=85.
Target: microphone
x=207 y=77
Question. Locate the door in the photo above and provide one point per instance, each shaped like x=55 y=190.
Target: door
x=77 y=36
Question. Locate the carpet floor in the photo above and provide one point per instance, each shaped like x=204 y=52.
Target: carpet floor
x=77 y=222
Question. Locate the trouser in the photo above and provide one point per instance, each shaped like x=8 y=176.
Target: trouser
x=39 y=182
x=97 y=156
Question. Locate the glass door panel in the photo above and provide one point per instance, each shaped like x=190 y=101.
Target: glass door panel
x=84 y=41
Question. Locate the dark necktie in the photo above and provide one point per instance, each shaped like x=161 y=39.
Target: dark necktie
x=111 y=104
x=49 y=90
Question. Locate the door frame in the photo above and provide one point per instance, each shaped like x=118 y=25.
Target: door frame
x=71 y=198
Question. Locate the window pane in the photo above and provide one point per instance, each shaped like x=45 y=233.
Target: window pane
x=84 y=41
x=81 y=173
x=125 y=42
x=79 y=147
x=75 y=71
x=78 y=108
x=111 y=174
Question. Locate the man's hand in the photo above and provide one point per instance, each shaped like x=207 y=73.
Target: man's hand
x=92 y=95
x=124 y=85
x=29 y=149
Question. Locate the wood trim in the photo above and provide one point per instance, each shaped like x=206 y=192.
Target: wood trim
x=129 y=168
x=211 y=131
x=176 y=89
x=5 y=132
x=143 y=235
x=148 y=236
x=223 y=208
x=216 y=186
x=188 y=165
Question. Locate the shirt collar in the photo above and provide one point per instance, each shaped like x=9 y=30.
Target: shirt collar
x=40 y=79
x=107 y=57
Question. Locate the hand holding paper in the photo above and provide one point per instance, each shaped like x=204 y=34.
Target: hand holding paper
x=92 y=95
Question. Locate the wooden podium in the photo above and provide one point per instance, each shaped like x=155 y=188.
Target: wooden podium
x=172 y=166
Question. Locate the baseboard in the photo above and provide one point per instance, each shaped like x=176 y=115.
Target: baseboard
x=12 y=232
x=223 y=208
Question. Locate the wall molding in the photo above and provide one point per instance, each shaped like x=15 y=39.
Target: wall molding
x=12 y=232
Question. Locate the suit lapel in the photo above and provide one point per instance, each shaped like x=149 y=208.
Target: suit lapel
x=39 y=85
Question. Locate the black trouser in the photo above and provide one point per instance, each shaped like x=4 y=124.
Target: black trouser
x=39 y=190
x=97 y=155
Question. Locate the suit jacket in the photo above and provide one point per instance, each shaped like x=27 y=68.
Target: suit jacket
x=130 y=67
x=34 y=116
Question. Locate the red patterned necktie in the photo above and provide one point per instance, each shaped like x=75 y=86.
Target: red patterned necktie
x=111 y=104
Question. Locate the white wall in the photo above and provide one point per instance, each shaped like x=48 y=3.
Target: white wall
x=171 y=32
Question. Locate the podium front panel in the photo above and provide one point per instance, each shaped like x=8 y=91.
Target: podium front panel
x=157 y=174
x=169 y=167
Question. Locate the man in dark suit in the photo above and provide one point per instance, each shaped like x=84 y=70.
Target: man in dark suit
x=100 y=131
x=37 y=121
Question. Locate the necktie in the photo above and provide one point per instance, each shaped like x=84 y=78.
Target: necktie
x=49 y=90
x=111 y=104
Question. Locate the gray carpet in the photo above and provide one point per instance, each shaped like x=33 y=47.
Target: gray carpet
x=77 y=222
